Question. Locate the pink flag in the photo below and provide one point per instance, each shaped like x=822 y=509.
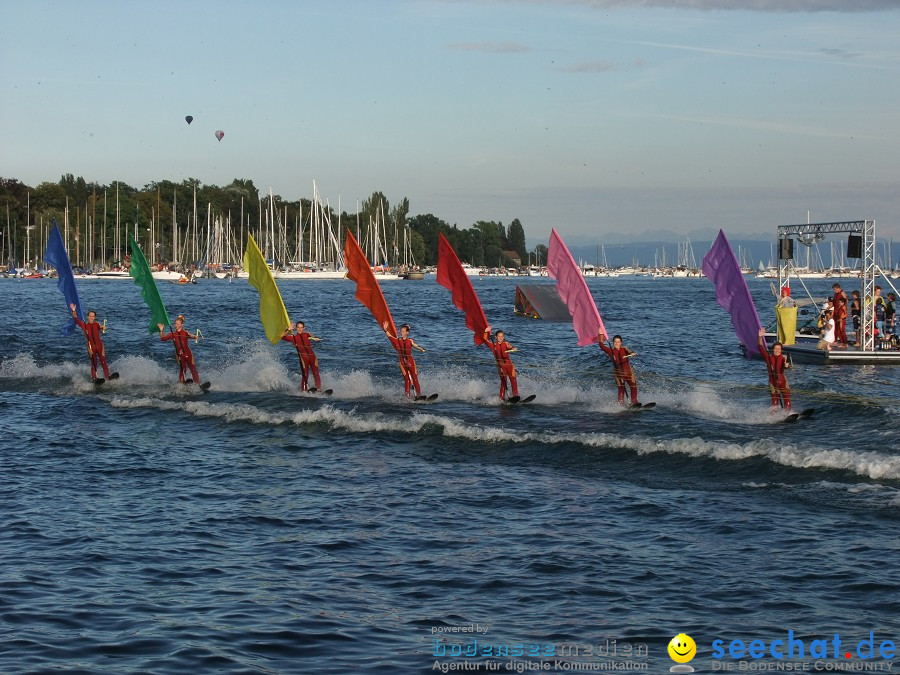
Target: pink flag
x=573 y=290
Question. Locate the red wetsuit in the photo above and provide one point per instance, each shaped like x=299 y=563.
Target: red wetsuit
x=182 y=353
x=778 y=386
x=96 y=350
x=840 y=319
x=404 y=348
x=505 y=367
x=308 y=360
x=622 y=372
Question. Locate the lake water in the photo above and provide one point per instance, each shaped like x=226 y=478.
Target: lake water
x=145 y=527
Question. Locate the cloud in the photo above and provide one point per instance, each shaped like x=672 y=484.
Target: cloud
x=759 y=124
x=832 y=56
x=780 y=6
x=589 y=67
x=839 y=53
x=490 y=47
x=600 y=66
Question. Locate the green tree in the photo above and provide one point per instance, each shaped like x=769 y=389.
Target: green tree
x=492 y=255
x=428 y=226
x=48 y=198
x=417 y=245
x=75 y=188
x=516 y=240
x=492 y=234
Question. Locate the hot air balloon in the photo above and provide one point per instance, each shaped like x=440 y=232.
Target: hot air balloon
x=220 y=135
x=189 y=119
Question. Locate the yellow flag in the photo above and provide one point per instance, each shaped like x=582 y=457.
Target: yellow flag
x=272 y=313
x=787 y=324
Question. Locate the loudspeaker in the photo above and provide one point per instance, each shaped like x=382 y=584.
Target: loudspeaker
x=786 y=249
x=854 y=246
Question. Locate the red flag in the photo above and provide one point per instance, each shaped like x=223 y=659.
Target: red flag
x=452 y=276
x=368 y=292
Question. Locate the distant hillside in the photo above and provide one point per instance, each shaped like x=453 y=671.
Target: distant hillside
x=749 y=251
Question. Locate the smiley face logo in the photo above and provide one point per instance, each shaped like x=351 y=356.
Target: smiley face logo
x=682 y=648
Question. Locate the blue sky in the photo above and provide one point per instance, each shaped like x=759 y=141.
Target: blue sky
x=598 y=117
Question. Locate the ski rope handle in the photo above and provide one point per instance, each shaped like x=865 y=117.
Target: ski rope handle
x=197 y=337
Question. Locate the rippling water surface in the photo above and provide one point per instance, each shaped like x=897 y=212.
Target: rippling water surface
x=145 y=527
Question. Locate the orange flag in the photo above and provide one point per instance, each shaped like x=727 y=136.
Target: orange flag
x=452 y=276
x=368 y=292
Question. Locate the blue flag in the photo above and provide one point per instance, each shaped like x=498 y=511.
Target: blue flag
x=56 y=256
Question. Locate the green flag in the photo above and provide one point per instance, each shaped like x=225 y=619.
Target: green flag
x=140 y=271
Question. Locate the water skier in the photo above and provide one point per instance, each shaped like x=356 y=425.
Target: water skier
x=183 y=354
x=776 y=364
x=404 y=346
x=622 y=372
x=505 y=368
x=95 y=347
x=302 y=341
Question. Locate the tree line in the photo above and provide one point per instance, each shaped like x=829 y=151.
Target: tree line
x=96 y=211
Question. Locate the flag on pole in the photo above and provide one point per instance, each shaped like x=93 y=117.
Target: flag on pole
x=368 y=292
x=574 y=291
x=721 y=266
x=56 y=255
x=140 y=272
x=452 y=276
x=272 y=312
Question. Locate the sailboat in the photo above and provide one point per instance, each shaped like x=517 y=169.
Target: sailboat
x=323 y=258
x=606 y=271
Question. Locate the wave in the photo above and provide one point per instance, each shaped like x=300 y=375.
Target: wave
x=257 y=368
x=151 y=384
x=871 y=465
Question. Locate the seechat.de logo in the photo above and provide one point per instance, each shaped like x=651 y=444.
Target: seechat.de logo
x=682 y=649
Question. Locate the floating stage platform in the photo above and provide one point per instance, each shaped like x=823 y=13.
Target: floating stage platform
x=806 y=352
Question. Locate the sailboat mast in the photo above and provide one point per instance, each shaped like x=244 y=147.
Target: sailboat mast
x=118 y=254
x=194 y=237
x=174 y=227
x=66 y=226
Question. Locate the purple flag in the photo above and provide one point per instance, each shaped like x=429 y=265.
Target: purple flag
x=722 y=267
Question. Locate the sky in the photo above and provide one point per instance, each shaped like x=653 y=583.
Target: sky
x=607 y=119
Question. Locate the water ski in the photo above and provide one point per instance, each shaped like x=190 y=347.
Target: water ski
x=323 y=392
x=114 y=376
x=425 y=399
x=99 y=380
x=204 y=386
x=802 y=415
x=637 y=407
x=518 y=400
x=188 y=381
